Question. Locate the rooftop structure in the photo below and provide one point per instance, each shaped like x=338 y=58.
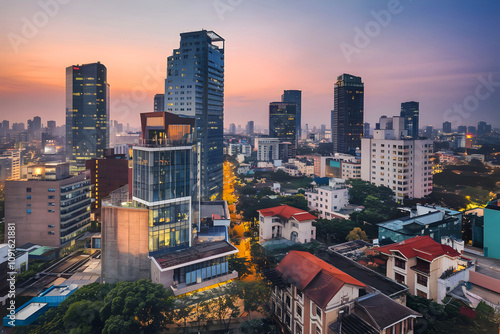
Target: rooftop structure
x=423 y=220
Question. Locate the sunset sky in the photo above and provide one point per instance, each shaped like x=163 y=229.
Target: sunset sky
x=439 y=53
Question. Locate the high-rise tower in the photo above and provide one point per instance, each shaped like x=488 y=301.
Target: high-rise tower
x=409 y=111
x=87 y=112
x=195 y=87
x=347 y=115
x=295 y=96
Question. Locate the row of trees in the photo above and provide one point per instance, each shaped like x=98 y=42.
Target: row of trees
x=145 y=307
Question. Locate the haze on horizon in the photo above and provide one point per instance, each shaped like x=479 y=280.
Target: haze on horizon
x=435 y=53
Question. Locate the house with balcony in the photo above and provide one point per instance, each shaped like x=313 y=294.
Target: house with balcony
x=419 y=262
x=287 y=222
x=311 y=296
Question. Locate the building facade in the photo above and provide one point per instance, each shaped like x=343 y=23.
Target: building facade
x=347 y=113
x=286 y=222
x=268 y=149
x=87 y=112
x=391 y=160
x=195 y=87
x=49 y=207
x=328 y=200
x=410 y=113
x=283 y=121
x=492 y=229
x=295 y=96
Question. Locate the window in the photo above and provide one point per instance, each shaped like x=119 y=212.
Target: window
x=51 y=190
x=399 y=263
x=399 y=278
x=28 y=211
x=51 y=226
x=422 y=280
x=28 y=197
x=51 y=197
x=299 y=311
x=318 y=312
x=421 y=294
x=28 y=190
x=299 y=293
x=288 y=320
x=52 y=204
x=50 y=233
x=288 y=301
x=298 y=329
x=51 y=210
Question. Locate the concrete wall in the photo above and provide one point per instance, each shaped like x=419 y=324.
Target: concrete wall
x=449 y=283
x=124 y=244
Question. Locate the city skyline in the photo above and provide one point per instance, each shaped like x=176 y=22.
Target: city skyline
x=438 y=54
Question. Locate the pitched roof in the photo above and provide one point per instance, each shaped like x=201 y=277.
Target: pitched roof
x=287 y=212
x=381 y=311
x=318 y=280
x=423 y=246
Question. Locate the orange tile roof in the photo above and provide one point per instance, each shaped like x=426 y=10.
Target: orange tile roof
x=423 y=246
x=317 y=279
x=287 y=212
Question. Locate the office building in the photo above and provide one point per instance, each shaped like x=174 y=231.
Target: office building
x=366 y=129
x=410 y=113
x=343 y=166
x=87 y=112
x=232 y=129
x=169 y=244
x=268 y=149
x=283 y=122
x=250 y=128
x=446 y=127
x=195 y=87
x=159 y=102
x=347 y=114
x=471 y=129
x=462 y=129
x=492 y=229
x=49 y=207
x=391 y=159
x=295 y=96
x=107 y=174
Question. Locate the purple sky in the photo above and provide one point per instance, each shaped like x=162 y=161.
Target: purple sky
x=437 y=53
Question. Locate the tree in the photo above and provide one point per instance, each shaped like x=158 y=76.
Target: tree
x=222 y=304
x=240 y=264
x=255 y=295
x=259 y=326
x=184 y=308
x=83 y=317
x=357 y=234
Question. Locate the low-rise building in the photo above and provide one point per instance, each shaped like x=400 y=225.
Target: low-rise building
x=286 y=222
x=268 y=149
x=419 y=262
x=311 y=296
x=492 y=229
x=434 y=221
x=342 y=166
x=328 y=200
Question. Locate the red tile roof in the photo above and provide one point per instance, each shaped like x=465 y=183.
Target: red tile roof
x=317 y=279
x=287 y=212
x=424 y=247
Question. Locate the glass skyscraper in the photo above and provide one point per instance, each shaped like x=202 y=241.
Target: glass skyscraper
x=282 y=121
x=164 y=179
x=347 y=115
x=295 y=96
x=195 y=87
x=409 y=111
x=87 y=112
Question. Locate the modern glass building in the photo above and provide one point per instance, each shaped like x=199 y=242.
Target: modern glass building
x=409 y=111
x=164 y=177
x=87 y=112
x=282 y=121
x=347 y=115
x=295 y=96
x=195 y=87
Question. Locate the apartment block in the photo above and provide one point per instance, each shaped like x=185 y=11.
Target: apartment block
x=393 y=160
x=327 y=200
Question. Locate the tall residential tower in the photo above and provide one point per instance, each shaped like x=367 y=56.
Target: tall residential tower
x=347 y=115
x=195 y=87
x=87 y=112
